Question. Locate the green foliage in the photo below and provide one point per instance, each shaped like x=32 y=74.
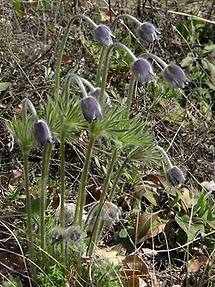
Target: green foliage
x=22 y=131
x=54 y=277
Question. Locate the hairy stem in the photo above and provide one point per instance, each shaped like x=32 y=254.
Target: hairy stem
x=157 y=59
x=166 y=157
x=46 y=156
x=101 y=61
x=130 y=93
x=78 y=219
x=106 y=63
x=117 y=177
x=62 y=47
x=62 y=176
x=28 y=208
x=121 y=16
x=98 y=222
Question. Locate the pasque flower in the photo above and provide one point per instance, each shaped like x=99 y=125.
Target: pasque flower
x=41 y=132
x=175 y=175
x=148 y=32
x=175 y=75
x=96 y=94
x=104 y=35
x=142 y=70
x=91 y=109
x=57 y=235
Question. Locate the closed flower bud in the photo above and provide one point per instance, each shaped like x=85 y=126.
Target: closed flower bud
x=175 y=175
x=175 y=76
x=41 y=132
x=96 y=94
x=57 y=235
x=142 y=70
x=148 y=32
x=74 y=233
x=104 y=35
x=91 y=109
x=110 y=213
x=69 y=211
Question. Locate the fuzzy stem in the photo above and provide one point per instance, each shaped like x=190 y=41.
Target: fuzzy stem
x=69 y=79
x=157 y=59
x=62 y=176
x=101 y=61
x=119 y=17
x=106 y=63
x=98 y=222
x=167 y=159
x=28 y=208
x=117 y=177
x=27 y=103
x=88 y=84
x=83 y=181
x=130 y=93
x=62 y=47
x=46 y=156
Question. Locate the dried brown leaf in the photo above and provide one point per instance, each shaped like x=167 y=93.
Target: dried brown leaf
x=134 y=265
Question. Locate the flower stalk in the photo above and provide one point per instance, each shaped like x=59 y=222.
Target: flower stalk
x=62 y=47
x=78 y=218
x=98 y=222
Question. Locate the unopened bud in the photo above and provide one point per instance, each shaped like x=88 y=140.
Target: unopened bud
x=69 y=211
x=175 y=76
x=41 y=132
x=91 y=109
x=96 y=94
x=57 y=235
x=104 y=35
x=148 y=32
x=110 y=213
x=142 y=70
x=175 y=175
x=74 y=233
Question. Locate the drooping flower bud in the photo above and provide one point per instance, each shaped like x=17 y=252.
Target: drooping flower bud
x=91 y=109
x=175 y=75
x=104 y=35
x=69 y=212
x=74 y=233
x=148 y=32
x=142 y=70
x=175 y=175
x=96 y=94
x=110 y=213
x=41 y=132
x=57 y=235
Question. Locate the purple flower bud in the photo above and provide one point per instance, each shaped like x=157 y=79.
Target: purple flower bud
x=74 y=233
x=91 y=109
x=175 y=175
x=57 y=235
x=142 y=70
x=104 y=35
x=41 y=132
x=96 y=94
x=148 y=32
x=175 y=76
x=110 y=213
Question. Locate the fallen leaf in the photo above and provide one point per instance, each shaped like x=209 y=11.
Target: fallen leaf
x=135 y=281
x=187 y=199
x=209 y=185
x=111 y=255
x=4 y=86
x=134 y=265
x=144 y=224
x=195 y=264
